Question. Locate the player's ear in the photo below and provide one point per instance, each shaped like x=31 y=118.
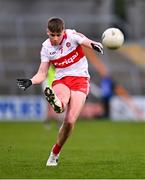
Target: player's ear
x=63 y=31
x=47 y=31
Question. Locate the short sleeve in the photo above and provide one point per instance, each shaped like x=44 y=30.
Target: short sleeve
x=78 y=37
x=44 y=54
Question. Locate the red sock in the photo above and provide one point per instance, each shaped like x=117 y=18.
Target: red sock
x=56 y=149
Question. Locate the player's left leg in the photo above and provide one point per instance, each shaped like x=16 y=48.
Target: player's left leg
x=77 y=101
x=76 y=104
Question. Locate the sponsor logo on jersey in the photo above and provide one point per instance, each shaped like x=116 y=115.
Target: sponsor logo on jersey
x=69 y=59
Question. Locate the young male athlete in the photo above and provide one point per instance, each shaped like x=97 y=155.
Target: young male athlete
x=94 y=60
x=71 y=85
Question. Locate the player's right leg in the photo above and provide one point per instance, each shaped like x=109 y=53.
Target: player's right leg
x=63 y=93
x=53 y=100
x=58 y=97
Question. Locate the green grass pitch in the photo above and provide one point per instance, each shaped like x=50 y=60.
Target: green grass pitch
x=96 y=149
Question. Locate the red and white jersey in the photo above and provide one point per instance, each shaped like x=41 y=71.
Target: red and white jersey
x=67 y=57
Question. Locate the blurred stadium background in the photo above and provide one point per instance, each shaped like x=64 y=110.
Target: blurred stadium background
x=99 y=149
x=23 y=29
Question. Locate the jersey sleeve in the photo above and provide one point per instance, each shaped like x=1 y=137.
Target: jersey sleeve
x=44 y=54
x=78 y=37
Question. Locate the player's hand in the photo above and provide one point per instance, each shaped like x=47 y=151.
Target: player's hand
x=98 y=47
x=24 y=83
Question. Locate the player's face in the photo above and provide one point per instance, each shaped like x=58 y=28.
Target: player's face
x=55 y=38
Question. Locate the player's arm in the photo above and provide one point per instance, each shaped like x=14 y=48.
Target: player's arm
x=96 y=61
x=83 y=40
x=41 y=74
x=97 y=46
x=38 y=78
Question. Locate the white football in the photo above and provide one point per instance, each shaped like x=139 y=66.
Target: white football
x=112 y=38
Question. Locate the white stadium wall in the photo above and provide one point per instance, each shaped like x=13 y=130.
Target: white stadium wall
x=120 y=111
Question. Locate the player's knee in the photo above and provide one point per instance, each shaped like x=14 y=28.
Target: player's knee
x=69 y=125
x=63 y=98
